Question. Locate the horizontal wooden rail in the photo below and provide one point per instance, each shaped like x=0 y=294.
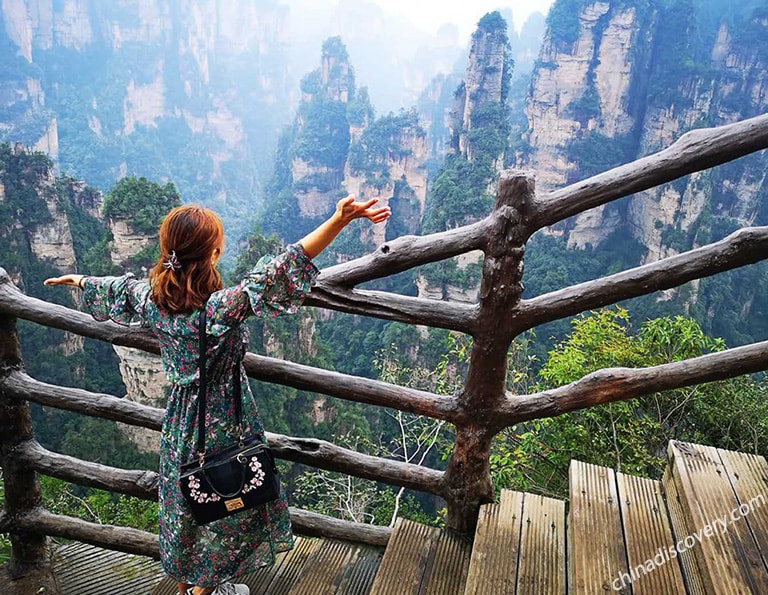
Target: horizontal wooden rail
x=694 y=151
x=134 y=541
x=352 y=388
x=742 y=247
x=310 y=451
x=113 y=537
x=313 y=524
x=455 y=316
x=407 y=252
x=139 y=484
x=618 y=384
x=335 y=384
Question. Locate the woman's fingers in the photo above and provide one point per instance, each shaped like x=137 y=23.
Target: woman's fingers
x=362 y=209
x=378 y=217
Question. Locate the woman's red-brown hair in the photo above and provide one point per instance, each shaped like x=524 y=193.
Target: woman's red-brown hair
x=193 y=233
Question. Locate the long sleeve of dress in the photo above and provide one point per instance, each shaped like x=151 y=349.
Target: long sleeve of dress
x=276 y=285
x=120 y=299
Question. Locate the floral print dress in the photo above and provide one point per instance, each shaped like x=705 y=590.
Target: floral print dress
x=208 y=555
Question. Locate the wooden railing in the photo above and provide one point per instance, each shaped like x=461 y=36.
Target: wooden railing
x=482 y=407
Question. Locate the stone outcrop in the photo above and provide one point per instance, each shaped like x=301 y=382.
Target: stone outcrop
x=52 y=240
x=476 y=101
x=315 y=200
x=127 y=242
x=145 y=383
x=407 y=183
x=435 y=105
x=142 y=372
x=44 y=232
x=317 y=178
x=49 y=142
x=586 y=88
x=144 y=104
x=483 y=83
x=603 y=88
x=318 y=183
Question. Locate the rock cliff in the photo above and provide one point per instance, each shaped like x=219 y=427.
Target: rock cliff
x=487 y=79
x=626 y=79
x=339 y=147
x=479 y=128
x=38 y=213
x=189 y=91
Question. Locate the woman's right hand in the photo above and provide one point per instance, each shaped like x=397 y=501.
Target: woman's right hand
x=348 y=209
x=65 y=280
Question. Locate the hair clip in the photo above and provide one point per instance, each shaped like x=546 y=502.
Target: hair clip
x=172 y=263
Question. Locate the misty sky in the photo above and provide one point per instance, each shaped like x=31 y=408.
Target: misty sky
x=430 y=14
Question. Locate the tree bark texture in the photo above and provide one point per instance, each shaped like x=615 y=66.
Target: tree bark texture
x=391 y=306
x=468 y=480
x=618 y=384
x=313 y=524
x=742 y=247
x=406 y=252
x=22 y=488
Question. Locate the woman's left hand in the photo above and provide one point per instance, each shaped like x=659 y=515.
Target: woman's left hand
x=348 y=209
x=64 y=280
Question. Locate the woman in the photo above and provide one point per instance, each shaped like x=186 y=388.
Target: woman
x=202 y=559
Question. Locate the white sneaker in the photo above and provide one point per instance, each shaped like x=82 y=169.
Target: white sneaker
x=227 y=589
x=230 y=589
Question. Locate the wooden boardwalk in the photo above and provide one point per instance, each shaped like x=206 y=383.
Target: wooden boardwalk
x=702 y=530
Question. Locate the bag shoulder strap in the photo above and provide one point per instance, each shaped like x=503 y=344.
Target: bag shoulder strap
x=202 y=384
x=203 y=348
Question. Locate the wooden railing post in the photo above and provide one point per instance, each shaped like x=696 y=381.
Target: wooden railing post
x=22 y=488
x=467 y=479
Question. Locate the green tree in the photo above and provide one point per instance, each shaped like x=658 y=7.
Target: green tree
x=632 y=435
x=142 y=202
x=396 y=435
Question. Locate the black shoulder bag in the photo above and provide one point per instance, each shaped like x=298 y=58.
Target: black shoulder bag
x=237 y=477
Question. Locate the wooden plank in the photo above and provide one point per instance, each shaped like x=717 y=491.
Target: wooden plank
x=447 y=572
x=542 y=547
x=748 y=475
x=358 y=576
x=648 y=536
x=259 y=580
x=292 y=566
x=680 y=528
x=596 y=554
x=726 y=552
x=493 y=566
x=324 y=570
x=89 y=570
x=405 y=559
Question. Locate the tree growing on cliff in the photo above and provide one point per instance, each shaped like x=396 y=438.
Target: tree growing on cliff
x=142 y=202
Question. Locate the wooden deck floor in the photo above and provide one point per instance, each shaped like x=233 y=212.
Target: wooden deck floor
x=703 y=529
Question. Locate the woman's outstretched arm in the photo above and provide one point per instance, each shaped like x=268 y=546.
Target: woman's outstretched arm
x=347 y=209
x=75 y=280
